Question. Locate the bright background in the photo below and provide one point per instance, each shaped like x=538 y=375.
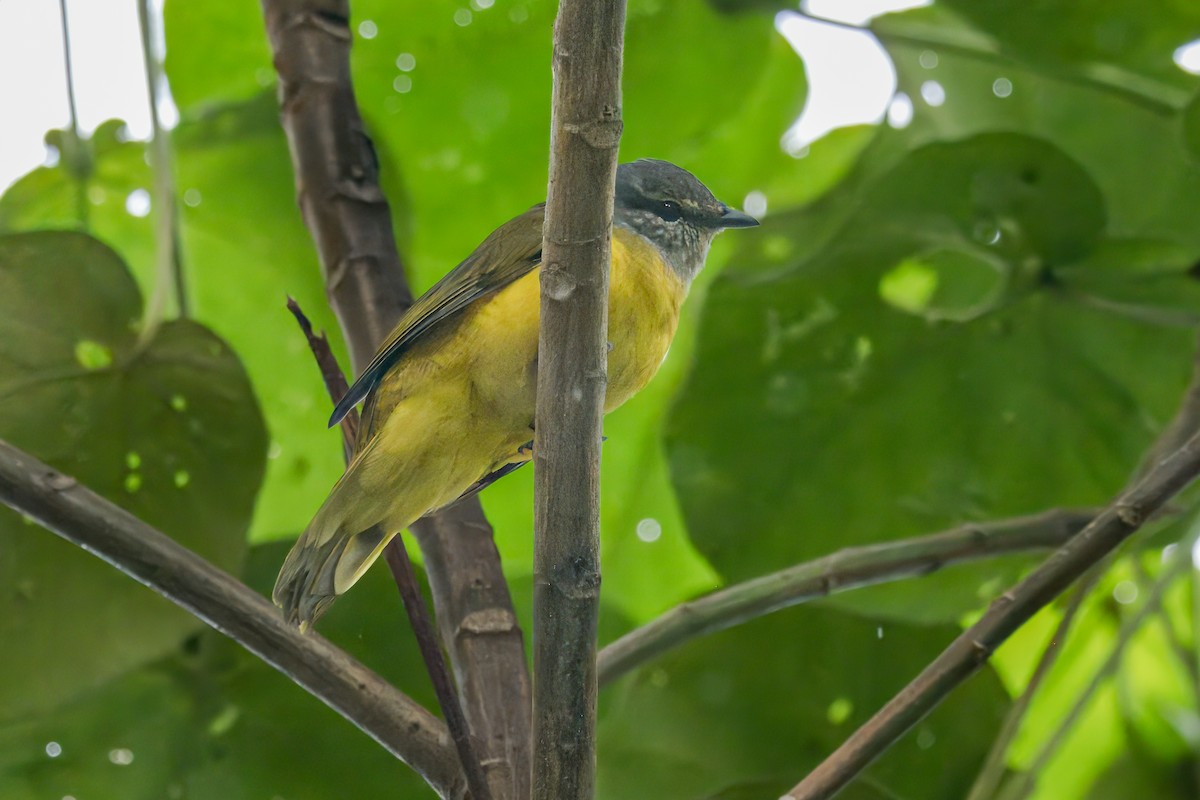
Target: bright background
x=851 y=78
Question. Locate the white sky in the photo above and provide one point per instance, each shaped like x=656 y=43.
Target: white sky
x=851 y=79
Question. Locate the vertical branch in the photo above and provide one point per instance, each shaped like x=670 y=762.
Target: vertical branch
x=572 y=364
x=76 y=157
x=337 y=185
x=168 y=260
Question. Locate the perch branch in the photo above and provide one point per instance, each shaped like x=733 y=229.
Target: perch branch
x=572 y=365
x=851 y=568
x=337 y=184
x=80 y=516
x=970 y=651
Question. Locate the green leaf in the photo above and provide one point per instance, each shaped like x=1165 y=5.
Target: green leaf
x=245 y=250
x=1094 y=123
x=822 y=415
x=209 y=720
x=162 y=423
x=1190 y=122
x=717 y=717
x=1101 y=38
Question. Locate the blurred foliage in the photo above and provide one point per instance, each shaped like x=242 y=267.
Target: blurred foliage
x=987 y=310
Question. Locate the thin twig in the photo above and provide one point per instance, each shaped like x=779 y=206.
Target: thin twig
x=994 y=766
x=331 y=374
x=970 y=651
x=76 y=157
x=1180 y=563
x=80 y=516
x=337 y=183
x=168 y=258
x=1174 y=637
x=846 y=569
x=435 y=664
x=406 y=580
x=585 y=130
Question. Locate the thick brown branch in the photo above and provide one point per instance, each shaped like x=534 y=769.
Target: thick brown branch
x=338 y=188
x=970 y=651
x=79 y=515
x=851 y=568
x=572 y=364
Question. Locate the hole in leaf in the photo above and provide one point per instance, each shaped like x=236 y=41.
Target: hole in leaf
x=839 y=711
x=92 y=355
x=944 y=284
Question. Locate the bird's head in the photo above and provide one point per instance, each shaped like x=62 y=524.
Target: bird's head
x=674 y=211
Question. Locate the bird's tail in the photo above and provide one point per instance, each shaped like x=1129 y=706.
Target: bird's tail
x=321 y=566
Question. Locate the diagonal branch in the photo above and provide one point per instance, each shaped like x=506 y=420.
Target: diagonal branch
x=337 y=184
x=994 y=766
x=80 y=516
x=970 y=651
x=331 y=374
x=572 y=365
x=847 y=569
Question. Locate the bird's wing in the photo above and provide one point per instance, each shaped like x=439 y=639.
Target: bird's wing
x=510 y=252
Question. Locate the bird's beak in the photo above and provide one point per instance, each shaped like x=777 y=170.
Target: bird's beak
x=732 y=218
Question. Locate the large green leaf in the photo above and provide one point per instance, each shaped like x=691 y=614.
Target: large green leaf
x=244 y=250
x=162 y=422
x=1107 y=40
x=717 y=719
x=836 y=402
x=211 y=721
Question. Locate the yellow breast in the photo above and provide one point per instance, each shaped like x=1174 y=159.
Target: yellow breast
x=643 y=310
x=483 y=370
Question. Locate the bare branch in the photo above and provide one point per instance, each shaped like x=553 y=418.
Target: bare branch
x=847 y=569
x=337 y=183
x=572 y=365
x=75 y=155
x=168 y=258
x=970 y=651
x=79 y=515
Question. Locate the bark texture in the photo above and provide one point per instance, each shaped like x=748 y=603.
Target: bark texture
x=572 y=360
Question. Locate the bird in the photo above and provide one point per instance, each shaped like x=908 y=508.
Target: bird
x=449 y=398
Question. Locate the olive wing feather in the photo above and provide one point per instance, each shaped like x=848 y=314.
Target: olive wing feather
x=509 y=253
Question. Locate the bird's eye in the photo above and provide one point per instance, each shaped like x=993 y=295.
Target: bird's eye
x=669 y=210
